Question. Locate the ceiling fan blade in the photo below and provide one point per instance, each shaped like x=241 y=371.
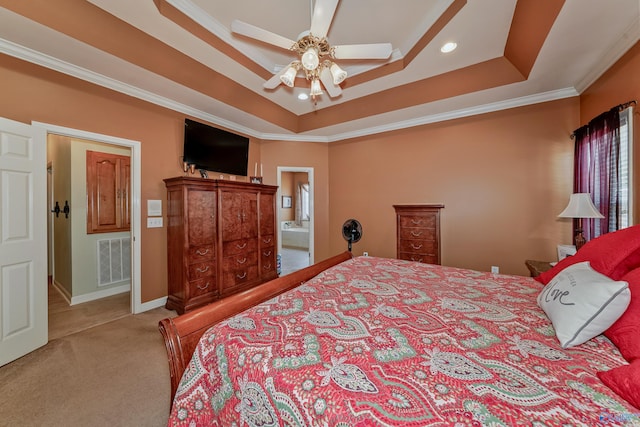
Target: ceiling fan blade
x=322 y=17
x=363 y=51
x=258 y=33
x=275 y=81
x=327 y=81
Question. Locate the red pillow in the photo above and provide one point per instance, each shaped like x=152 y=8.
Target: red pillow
x=612 y=254
x=625 y=381
x=625 y=332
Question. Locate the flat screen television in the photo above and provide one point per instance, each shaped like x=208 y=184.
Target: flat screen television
x=215 y=149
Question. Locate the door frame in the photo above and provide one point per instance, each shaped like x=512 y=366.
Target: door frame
x=312 y=213
x=135 y=146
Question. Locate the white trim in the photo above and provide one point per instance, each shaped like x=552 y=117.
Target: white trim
x=457 y=114
x=92 y=296
x=150 y=305
x=136 y=179
x=30 y=55
x=630 y=168
x=312 y=213
x=62 y=291
x=628 y=38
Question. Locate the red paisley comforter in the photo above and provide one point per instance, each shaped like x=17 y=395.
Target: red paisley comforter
x=384 y=342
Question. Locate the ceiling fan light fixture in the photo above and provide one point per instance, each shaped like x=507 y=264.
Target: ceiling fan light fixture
x=316 y=89
x=289 y=77
x=337 y=73
x=310 y=59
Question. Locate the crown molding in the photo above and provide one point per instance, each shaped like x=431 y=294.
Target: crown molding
x=629 y=37
x=38 y=58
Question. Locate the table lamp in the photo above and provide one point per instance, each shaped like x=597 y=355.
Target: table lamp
x=580 y=206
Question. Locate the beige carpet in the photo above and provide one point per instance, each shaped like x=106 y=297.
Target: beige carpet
x=65 y=319
x=114 y=374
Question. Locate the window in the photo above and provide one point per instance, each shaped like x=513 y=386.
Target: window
x=304 y=196
x=626 y=168
x=603 y=168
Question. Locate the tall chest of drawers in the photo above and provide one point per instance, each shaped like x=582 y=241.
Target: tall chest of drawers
x=418 y=232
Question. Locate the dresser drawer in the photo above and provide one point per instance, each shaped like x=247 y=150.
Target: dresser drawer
x=267 y=240
x=427 y=259
x=425 y=247
x=202 y=286
x=268 y=260
x=423 y=221
x=241 y=246
x=202 y=269
x=201 y=253
x=240 y=261
x=236 y=277
x=413 y=233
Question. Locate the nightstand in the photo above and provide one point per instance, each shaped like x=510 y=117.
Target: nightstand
x=537 y=267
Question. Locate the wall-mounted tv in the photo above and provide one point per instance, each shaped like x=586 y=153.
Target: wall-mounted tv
x=215 y=149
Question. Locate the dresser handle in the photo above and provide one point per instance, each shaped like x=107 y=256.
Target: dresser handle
x=241 y=261
x=244 y=245
x=414 y=222
x=266 y=241
x=202 y=288
x=202 y=253
x=244 y=274
x=416 y=247
x=416 y=233
x=199 y=270
x=266 y=253
x=418 y=260
x=267 y=267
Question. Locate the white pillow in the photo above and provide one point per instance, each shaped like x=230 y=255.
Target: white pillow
x=583 y=303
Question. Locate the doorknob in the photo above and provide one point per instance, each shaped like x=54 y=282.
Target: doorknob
x=66 y=209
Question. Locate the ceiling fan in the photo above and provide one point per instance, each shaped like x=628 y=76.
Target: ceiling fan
x=314 y=52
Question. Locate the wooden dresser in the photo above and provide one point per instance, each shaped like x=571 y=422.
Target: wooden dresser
x=418 y=232
x=221 y=239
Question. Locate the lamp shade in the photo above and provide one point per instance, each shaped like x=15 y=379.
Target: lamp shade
x=580 y=206
x=316 y=89
x=337 y=73
x=289 y=77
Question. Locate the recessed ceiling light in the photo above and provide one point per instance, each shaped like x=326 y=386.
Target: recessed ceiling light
x=303 y=96
x=448 y=47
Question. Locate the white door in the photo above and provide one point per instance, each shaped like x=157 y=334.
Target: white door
x=23 y=239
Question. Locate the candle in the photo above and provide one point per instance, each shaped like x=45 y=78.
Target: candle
x=260 y=169
x=255 y=170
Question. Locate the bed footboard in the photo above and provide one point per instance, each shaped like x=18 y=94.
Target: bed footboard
x=181 y=334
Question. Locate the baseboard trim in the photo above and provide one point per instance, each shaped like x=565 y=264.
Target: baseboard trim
x=100 y=294
x=62 y=291
x=150 y=305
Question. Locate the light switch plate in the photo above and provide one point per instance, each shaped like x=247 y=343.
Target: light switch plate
x=155 y=222
x=154 y=207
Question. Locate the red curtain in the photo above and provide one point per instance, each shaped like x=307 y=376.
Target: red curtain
x=596 y=171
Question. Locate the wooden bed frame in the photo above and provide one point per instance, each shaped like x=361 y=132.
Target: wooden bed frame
x=181 y=334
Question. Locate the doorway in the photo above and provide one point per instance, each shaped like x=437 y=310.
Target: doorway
x=90 y=267
x=295 y=218
x=133 y=148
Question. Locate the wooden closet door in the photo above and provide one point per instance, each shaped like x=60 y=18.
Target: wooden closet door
x=125 y=193
x=231 y=215
x=249 y=215
x=108 y=188
x=201 y=208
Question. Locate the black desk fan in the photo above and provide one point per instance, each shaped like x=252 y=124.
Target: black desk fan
x=351 y=231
